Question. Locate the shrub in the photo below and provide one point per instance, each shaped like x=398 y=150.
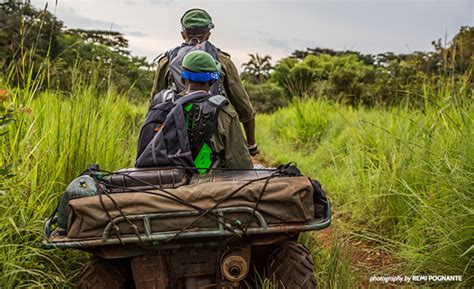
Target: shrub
x=266 y=97
x=350 y=77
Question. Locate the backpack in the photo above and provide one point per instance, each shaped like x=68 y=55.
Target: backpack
x=321 y=203
x=176 y=132
x=175 y=60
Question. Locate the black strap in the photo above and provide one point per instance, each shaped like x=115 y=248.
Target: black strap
x=289 y=170
x=193 y=96
x=210 y=128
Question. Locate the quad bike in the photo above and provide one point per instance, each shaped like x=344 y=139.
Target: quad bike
x=160 y=228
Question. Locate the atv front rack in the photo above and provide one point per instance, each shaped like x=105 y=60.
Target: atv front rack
x=53 y=240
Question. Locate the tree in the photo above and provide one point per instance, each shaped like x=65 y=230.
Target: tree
x=33 y=42
x=368 y=59
x=23 y=27
x=459 y=55
x=266 y=97
x=113 y=39
x=258 y=68
x=27 y=37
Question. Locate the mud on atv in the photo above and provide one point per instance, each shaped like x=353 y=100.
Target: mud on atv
x=161 y=228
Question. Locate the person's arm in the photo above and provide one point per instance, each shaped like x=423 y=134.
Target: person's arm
x=249 y=128
x=238 y=97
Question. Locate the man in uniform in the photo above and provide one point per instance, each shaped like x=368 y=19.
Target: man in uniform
x=196 y=24
x=200 y=71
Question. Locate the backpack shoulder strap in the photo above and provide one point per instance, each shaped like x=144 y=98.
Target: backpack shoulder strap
x=173 y=51
x=211 y=49
x=191 y=97
x=163 y=96
x=202 y=150
x=218 y=100
x=160 y=57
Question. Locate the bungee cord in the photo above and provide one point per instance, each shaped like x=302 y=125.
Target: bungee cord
x=169 y=195
x=229 y=224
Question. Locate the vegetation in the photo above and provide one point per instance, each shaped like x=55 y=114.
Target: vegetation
x=52 y=140
x=400 y=179
x=385 y=79
x=257 y=69
x=266 y=97
x=389 y=137
x=35 y=39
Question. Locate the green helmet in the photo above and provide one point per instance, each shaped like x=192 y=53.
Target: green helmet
x=196 y=18
x=200 y=66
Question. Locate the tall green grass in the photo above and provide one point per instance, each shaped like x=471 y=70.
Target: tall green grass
x=399 y=178
x=53 y=139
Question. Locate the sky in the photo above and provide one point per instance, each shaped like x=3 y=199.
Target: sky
x=274 y=27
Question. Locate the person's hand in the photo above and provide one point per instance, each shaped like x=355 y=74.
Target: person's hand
x=253 y=149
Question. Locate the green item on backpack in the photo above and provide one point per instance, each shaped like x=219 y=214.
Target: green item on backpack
x=203 y=160
x=187 y=109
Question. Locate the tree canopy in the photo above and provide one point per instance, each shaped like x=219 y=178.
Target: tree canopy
x=34 y=42
x=258 y=68
x=356 y=78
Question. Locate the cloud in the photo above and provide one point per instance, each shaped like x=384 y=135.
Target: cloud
x=275 y=27
x=147 y=2
x=273 y=41
x=135 y=33
x=74 y=20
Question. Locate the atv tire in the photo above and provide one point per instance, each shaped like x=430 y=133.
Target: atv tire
x=101 y=273
x=291 y=267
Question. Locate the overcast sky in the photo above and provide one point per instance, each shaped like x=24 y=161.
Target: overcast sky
x=275 y=27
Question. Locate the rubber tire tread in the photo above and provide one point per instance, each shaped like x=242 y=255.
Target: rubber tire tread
x=291 y=267
x=101 y=273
